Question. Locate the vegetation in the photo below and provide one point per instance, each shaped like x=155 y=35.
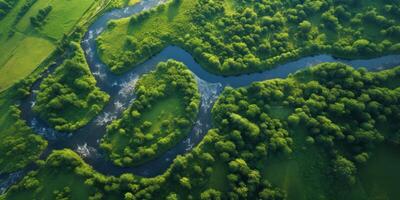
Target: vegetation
x=69 y=98
x=337 y=118
x=162 y=114
x=19 y=145
x=24 y=46
x=236 y=159
x=234 y=36
x=61 y=176
x=39 y=19
x=327 y=132
x=6 y=6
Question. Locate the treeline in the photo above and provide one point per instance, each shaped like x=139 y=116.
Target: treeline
x=257 y=35
x=69 y=98
x=23 y=10
x=39 y=20
x=146 y=140
x=6 y=6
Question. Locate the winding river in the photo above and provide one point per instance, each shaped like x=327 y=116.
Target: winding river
x=85 y=141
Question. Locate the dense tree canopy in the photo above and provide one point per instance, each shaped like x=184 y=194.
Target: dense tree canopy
x=163 y=113
x=236 y=36
x=345 y=113
x=69 y=98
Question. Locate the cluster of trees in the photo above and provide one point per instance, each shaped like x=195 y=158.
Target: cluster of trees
x=69 y=98
x=20 y=145
x=346 y=112
x=58 y=168
x=6 y=6
x=39 y=20
x=256 y=35
x=146 y=139
x=23 y=10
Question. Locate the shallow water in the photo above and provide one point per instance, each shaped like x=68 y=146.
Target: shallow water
x=85 y=141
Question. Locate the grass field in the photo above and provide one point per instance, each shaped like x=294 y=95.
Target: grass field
x=62 y=18
x=24 y=50
x=23 y=60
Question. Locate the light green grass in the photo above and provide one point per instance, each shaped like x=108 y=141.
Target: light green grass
x=62 y=18
x=133 y=2
x=27 y=48
x=25 y=23
x=29 y=53
x=112 y=41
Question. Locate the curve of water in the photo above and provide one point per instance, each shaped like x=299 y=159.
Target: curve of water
x=85 y=140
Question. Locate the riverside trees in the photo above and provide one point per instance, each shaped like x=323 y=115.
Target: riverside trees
x=69 y=99
x=162 y=114
x=234 y=37
x=344 y=112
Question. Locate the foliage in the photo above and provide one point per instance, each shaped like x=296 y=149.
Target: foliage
x=161 y=115
x=6 y=6
x=69 y=99
x=19 y=145
x=38 y=20
x=24 y=9
x=253 y=35
x=245 y=132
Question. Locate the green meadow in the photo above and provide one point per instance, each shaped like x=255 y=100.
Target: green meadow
x=25 y=47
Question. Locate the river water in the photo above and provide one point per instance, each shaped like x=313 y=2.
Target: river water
x=85 y=141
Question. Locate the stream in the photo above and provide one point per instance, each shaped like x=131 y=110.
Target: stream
x=85 y=141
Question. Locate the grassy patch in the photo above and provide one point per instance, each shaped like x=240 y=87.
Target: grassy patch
x=62 y=18
x=29 y=53
x=168 y=21
x=302 y=175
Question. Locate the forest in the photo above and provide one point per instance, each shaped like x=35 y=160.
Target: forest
x=236 y=37
x=69 y=99
x=135 y=120
x=341 y=112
